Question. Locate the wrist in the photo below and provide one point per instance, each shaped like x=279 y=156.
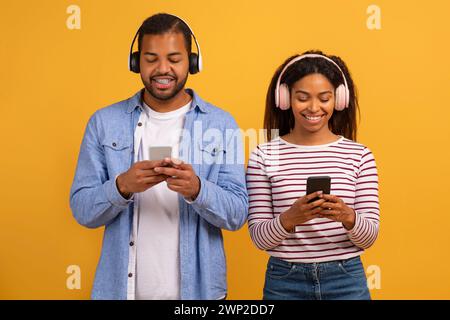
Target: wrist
x=286 y=222
x=197 y=190
x=350 y=220
x=121 y=188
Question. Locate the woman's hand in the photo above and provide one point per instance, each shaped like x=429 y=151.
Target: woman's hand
x=335 y=209
x=301 y=211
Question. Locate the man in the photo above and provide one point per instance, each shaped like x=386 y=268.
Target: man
x=162 y=217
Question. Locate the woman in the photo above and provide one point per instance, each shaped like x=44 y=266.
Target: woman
x=314 y=247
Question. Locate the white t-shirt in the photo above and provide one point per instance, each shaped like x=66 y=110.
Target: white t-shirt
x=157 y=243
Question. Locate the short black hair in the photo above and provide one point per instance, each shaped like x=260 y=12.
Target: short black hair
x=163 y=23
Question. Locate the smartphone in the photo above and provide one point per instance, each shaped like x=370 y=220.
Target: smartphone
x=314 y=184
x=159 y=153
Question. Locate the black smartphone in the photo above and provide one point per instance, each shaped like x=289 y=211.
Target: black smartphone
x=314 y=184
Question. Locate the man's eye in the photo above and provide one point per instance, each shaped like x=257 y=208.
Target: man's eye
x=175 y=61
x=303 y=99
x=325 y=100
x=151 y=61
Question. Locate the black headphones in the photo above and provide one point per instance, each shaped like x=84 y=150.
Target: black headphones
x=195 y=60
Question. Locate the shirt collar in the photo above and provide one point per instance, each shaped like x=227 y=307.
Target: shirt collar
x=197 y=102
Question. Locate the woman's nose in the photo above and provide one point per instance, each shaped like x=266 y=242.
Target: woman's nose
x=315 y=106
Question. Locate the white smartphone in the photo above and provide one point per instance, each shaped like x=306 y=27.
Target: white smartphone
x=159 y=153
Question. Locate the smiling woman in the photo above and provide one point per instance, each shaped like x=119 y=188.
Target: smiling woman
x=312 y=237
x=318 y=85
x=312 y=103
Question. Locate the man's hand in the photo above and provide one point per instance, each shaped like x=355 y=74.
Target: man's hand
x=140 y=177
x=182 y=178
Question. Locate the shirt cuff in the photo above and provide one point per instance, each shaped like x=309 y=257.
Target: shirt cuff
x=114 y=196
x=281 y=230
x=190 y=201
x=356 y=228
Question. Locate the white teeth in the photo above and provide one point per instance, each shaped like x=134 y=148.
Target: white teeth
x=313 y=118
x=163 y=81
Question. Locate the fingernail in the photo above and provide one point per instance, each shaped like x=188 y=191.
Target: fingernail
x=157 y=169
x=176 y=161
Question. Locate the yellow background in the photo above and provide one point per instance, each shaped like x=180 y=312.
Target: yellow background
x=52 y=79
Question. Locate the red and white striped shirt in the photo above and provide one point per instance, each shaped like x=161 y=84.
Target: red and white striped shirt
x=276 y=177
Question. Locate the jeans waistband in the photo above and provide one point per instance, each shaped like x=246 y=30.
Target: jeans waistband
x=313 y=264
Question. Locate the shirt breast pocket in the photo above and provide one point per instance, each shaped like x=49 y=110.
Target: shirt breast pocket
x=213 y=156
x=117 y=155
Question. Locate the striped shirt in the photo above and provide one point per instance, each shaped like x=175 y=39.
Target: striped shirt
x=276 y=176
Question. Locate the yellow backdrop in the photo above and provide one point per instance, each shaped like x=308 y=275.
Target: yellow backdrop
x=56 y=70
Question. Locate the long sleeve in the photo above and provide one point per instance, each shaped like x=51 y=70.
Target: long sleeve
x=365 y=231
x=265 y=229
x=94 y=198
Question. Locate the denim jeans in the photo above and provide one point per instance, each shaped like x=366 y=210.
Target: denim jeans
x=335 y=280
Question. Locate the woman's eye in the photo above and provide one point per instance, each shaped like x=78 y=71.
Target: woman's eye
x=151 y=61
x=175 y=61
x=325 y=100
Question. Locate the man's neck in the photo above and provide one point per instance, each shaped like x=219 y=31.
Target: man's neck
x=180 y=100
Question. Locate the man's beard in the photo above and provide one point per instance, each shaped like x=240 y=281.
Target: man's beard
x=165 y=95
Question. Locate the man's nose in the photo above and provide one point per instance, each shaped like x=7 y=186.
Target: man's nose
x=163 y=66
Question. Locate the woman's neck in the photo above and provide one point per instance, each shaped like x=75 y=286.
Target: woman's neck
x=306 y=138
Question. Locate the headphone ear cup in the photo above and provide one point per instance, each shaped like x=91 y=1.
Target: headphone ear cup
x=193 y=63
x=347 y=96
x=284 y=97
x=134 y=62
x=341 y=98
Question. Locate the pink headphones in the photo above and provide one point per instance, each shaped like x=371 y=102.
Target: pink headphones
x=282 y=96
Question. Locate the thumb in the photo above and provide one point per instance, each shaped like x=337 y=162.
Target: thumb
x=176 y=161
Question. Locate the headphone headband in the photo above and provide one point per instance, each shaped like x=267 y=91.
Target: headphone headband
x=301 y=57
x=200 y=59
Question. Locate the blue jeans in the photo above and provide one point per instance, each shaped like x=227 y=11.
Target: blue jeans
x=335 y=280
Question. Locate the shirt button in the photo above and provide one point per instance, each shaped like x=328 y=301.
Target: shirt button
x=114 y=144
x=140 y=124
x=130 y=275
x=131 y=243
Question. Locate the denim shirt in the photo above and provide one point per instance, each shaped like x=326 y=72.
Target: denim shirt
x=211 y=143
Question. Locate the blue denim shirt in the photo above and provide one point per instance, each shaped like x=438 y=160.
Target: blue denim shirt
x=216 y=155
